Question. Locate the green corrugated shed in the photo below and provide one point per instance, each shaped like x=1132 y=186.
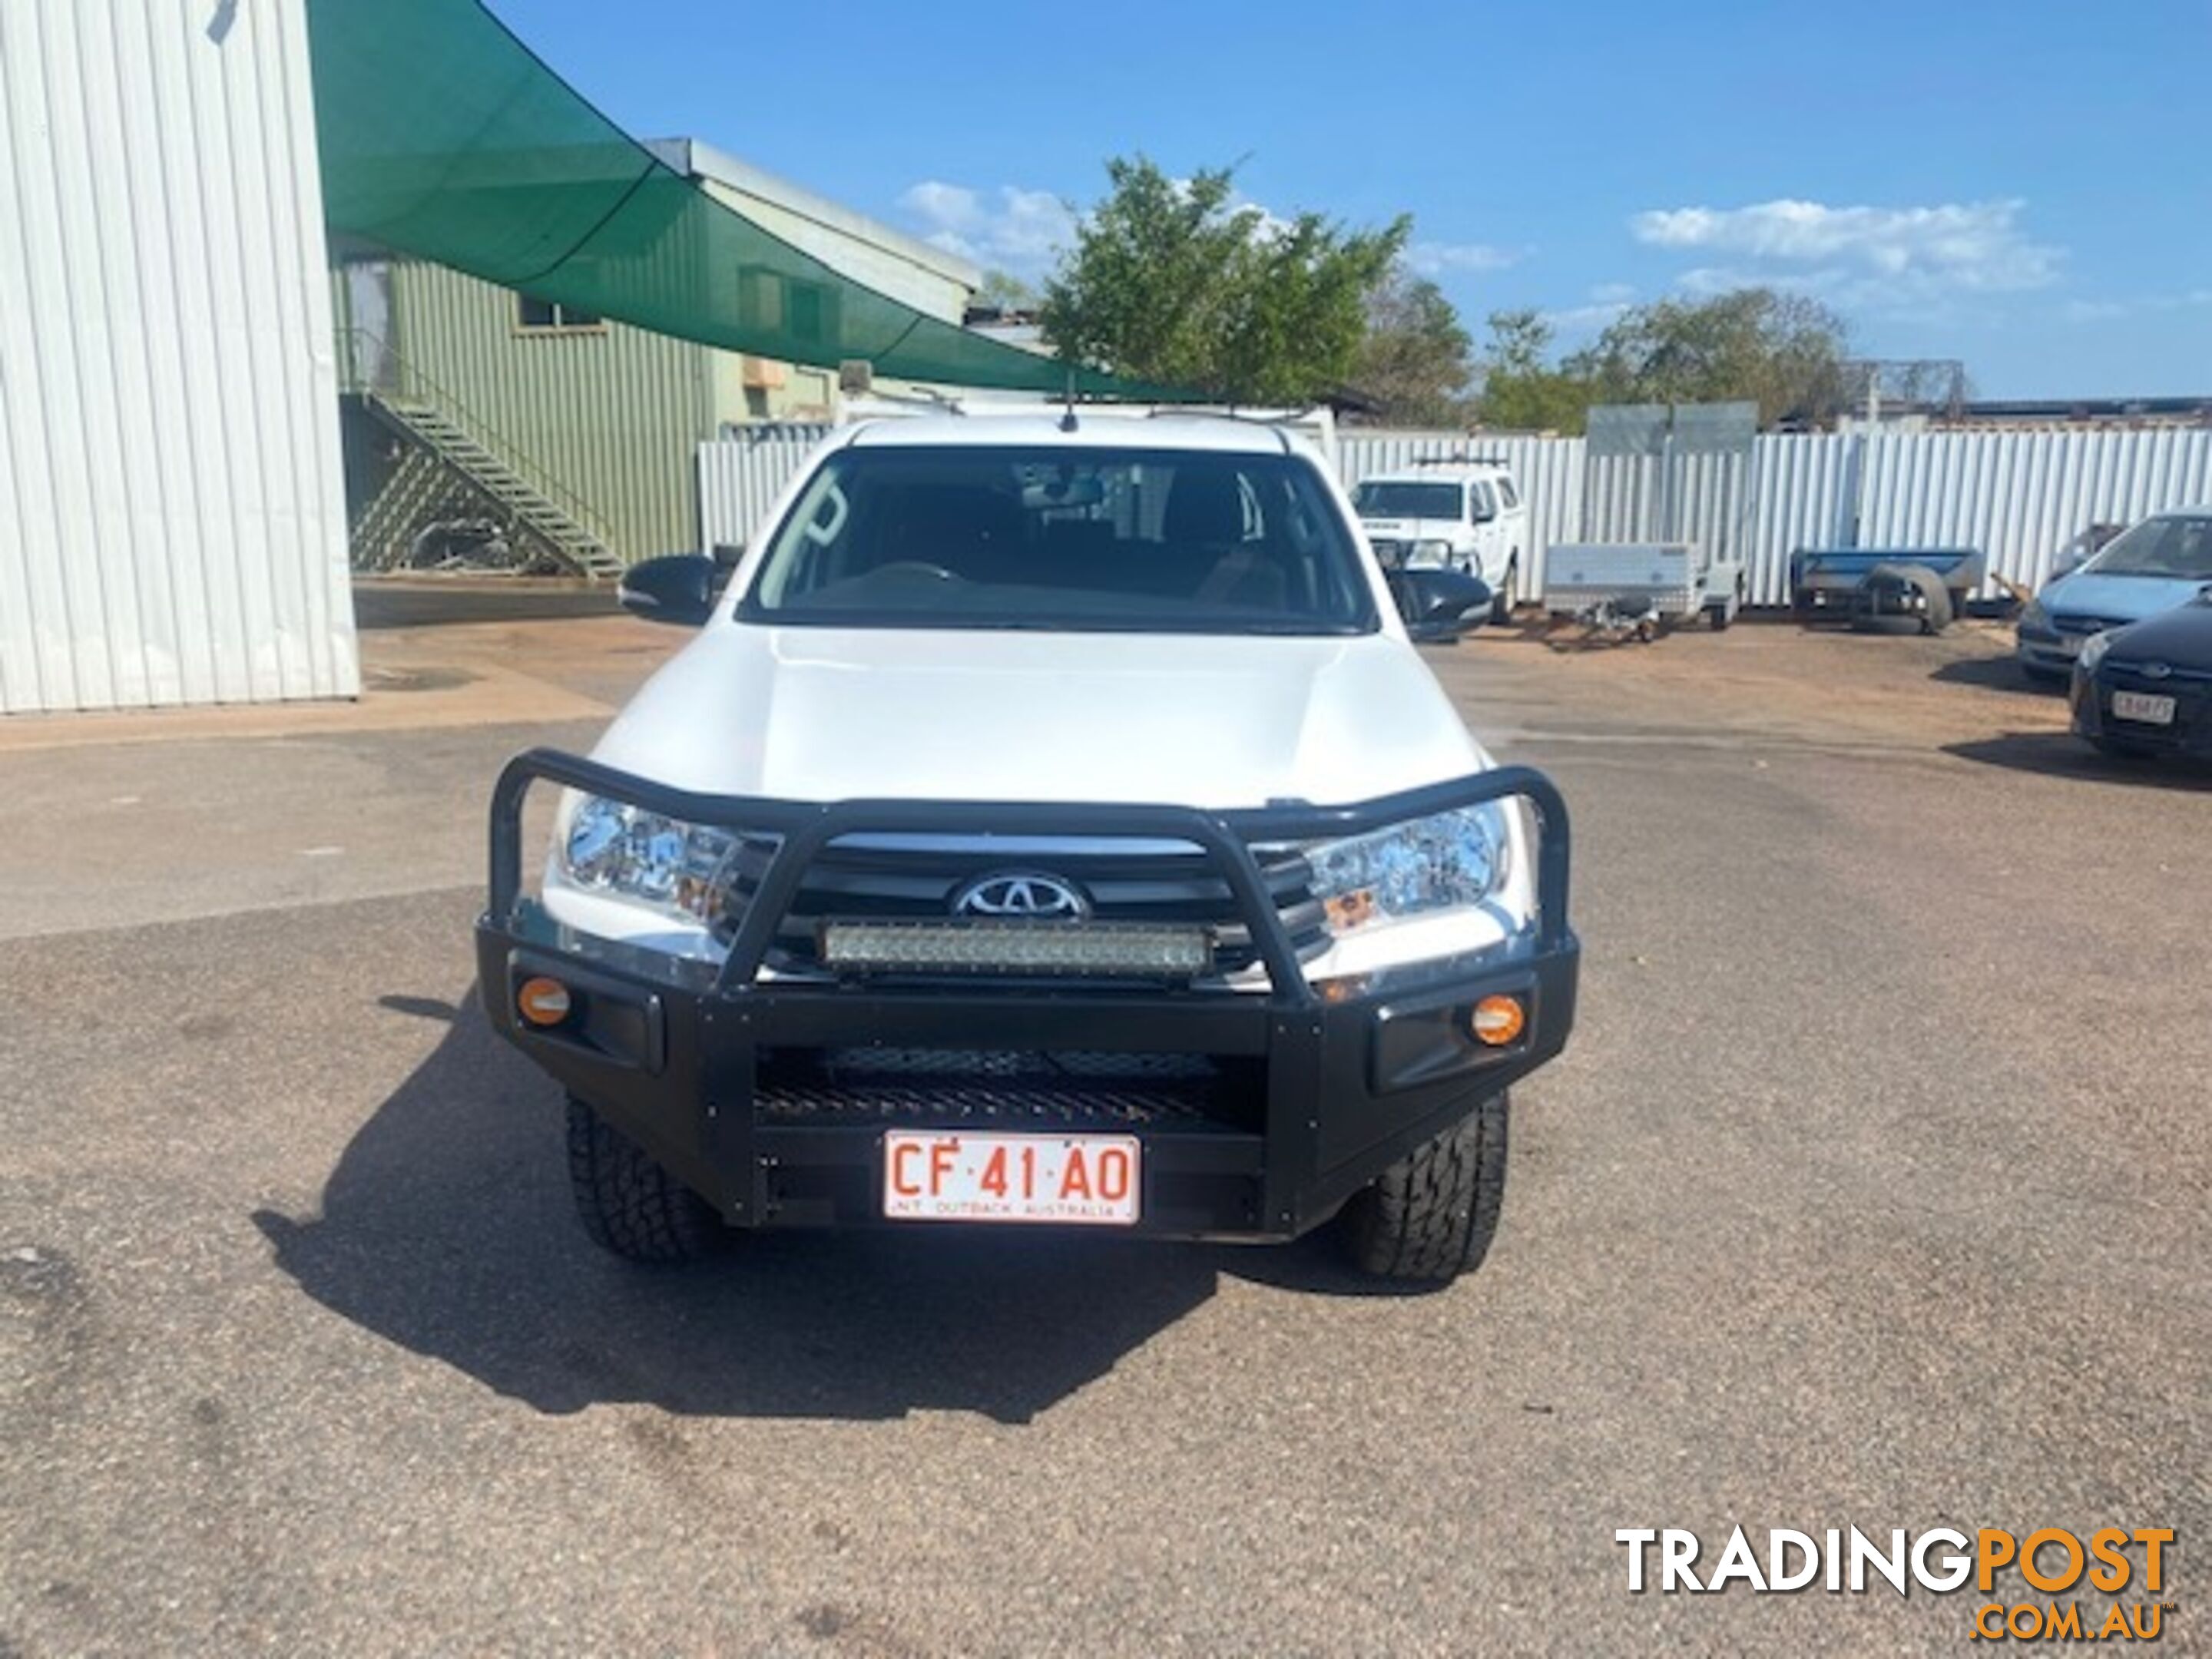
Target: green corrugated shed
x=616 y=414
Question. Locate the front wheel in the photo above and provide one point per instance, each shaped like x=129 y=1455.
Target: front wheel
x=1429 y=1218
x=1507 y=595
x=628 y=1203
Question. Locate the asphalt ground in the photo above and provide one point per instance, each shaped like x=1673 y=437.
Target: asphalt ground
x=1873 y=1190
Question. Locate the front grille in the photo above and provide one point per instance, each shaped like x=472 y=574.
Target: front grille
x=2073 y=624
x=868 y=881
x=2130 y=677
x=1024 y=1090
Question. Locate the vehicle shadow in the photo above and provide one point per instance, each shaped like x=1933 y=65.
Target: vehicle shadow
x=2060 y=754
x=447 y=1228
x=1996 y=674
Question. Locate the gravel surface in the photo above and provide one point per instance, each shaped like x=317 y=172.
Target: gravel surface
x=1875 y=1188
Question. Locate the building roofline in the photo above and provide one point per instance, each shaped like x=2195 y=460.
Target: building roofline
x=696 y=158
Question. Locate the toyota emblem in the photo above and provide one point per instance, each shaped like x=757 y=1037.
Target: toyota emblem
x=1023 y=894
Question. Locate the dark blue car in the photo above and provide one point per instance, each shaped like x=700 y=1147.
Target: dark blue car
x=2147 y=689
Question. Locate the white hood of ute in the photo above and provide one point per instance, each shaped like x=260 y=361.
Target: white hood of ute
x=825 y=713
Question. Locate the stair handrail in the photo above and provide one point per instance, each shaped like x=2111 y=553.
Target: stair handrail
x=412 y=376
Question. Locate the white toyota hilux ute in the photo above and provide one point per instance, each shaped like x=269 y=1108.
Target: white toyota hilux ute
x=1464 y=515
x=1050 y=823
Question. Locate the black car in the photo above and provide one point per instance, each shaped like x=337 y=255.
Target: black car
x=2146 y=689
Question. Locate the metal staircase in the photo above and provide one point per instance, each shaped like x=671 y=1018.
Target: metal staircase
x=451 y=467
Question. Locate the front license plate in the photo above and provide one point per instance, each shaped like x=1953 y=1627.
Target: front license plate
x=2143 y=709
x=953 y=1175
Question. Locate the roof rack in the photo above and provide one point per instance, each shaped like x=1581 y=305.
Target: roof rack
x=1243 y=416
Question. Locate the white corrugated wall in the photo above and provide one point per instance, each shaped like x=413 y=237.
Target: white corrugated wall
x=1806 y=493
x=2019 y=496
x=172 y=510
x=740 y=474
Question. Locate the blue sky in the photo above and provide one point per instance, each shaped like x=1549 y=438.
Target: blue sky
x=2026 y=186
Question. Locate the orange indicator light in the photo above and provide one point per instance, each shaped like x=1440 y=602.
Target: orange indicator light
x=543 y=1001
x=1497 y=1020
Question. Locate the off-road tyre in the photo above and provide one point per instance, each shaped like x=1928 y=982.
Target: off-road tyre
x=1430 y=1216
x=628 y=1203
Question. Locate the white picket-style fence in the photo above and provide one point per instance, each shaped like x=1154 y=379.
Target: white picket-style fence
x=2019 y=496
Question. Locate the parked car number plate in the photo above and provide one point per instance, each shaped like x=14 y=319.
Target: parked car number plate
x=2142 y=709
x=955 y=1175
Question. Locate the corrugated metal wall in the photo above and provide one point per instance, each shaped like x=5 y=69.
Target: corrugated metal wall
x=614 y=413
x=740 y=475
x=2020 y=496
x=1807 y=495
x=172 y=513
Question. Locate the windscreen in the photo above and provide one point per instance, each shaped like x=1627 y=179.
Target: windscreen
x=2159 y=547
x=1382 y=498
x=1161 y=541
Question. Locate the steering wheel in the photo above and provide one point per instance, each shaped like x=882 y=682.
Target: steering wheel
x=916 y=568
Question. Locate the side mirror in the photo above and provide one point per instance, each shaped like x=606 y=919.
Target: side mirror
x=678 y=589
x=1435 y=604
x=1482 y=514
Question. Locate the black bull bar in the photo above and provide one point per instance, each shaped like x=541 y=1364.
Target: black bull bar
x=1353 y=1079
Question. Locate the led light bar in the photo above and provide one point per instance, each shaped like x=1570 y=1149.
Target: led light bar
x=1129 y=949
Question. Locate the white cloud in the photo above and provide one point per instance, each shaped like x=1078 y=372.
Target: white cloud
x=1877 y=257
x=2098 y=311
x=2095 y=311
x=1434 y=260
x=1009 y=229
x=1606 y=303
x=1023 y=232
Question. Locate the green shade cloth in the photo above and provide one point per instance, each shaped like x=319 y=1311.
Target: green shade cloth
x=444 y=137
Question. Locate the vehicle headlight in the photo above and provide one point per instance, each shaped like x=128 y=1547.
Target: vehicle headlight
x=1455 y=860
x=2033 y=614
x=1438 y=549
x=2092 y=651
x=682 y=870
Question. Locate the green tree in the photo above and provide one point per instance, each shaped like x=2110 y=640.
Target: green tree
x=1520 y=388
x=1170 y=280
x=1783 y=351
x=1414 y=361
x=1004 y=291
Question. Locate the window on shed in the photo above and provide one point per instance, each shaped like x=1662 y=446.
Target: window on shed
x=533 y=315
